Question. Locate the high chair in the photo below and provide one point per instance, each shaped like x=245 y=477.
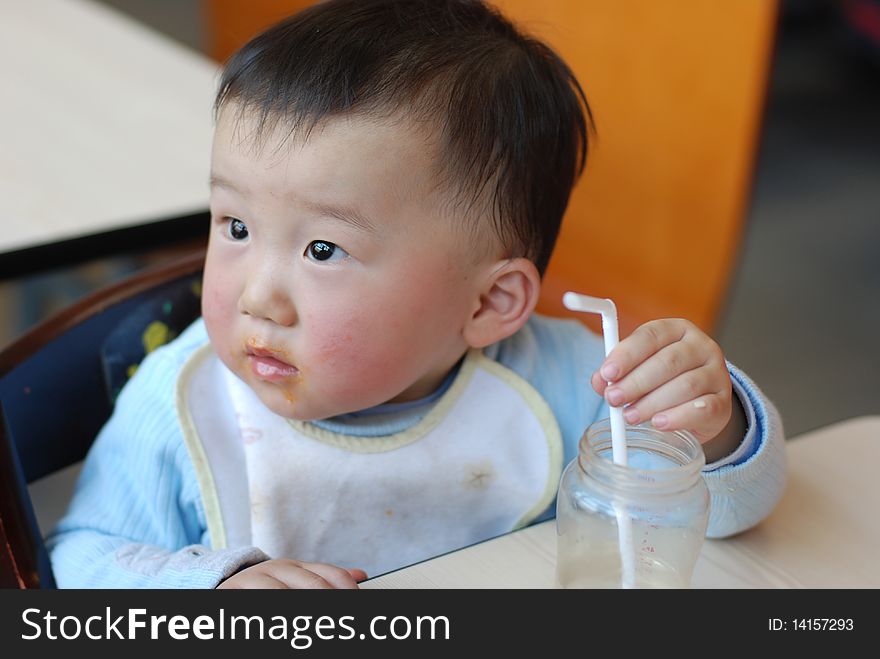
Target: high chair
x=58 y=383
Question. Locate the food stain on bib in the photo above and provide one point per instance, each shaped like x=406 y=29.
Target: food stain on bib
x=478 y=476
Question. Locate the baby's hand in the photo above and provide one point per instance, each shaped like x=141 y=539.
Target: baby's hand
x=282 y=574
x=671 y=372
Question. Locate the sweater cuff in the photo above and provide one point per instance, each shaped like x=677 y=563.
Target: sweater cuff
x=194 y=566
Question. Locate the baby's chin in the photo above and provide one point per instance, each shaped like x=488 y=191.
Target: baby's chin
x=290 y=404
x=284 y=403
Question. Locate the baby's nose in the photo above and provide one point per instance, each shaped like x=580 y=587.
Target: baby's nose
x=265 y=296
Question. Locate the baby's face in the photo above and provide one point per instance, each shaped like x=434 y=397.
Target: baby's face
x=334 y=280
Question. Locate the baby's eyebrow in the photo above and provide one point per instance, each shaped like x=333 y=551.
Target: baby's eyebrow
x=343 y=213
x=347 y=214
x=219 y=182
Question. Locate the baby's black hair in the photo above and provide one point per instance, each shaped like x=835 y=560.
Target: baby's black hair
x=512 y=121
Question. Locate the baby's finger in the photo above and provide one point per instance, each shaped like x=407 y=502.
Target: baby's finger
x=253 y=580
x=296 y=574
x=336 y=577
x=702 y=416
x=599 y=383
x=648 y=339
x=687 y=386
x=265 y=582
x=662 y=367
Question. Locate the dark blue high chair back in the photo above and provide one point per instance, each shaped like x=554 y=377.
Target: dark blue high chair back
x=58 y=384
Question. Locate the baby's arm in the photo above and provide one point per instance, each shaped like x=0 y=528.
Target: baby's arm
x=136 y=532
x=746 y=485
x=746 y=477
x=136 y=517
x=671 y=373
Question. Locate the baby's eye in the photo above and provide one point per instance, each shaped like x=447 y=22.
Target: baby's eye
x=237 y=229
x=321 y=250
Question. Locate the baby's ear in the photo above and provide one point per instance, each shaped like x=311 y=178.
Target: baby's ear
x=506 y=301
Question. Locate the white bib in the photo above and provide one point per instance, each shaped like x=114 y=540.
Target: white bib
x=485 y=460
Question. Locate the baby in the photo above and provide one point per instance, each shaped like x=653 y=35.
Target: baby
x=368 y=385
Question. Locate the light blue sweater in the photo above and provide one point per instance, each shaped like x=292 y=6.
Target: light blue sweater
x=137 y=518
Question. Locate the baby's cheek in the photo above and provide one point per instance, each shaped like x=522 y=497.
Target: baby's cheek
x=210 y=293
x=337 y=349
x=351 y=362
x=210 y=309
x=218 y=304
x=218 y=316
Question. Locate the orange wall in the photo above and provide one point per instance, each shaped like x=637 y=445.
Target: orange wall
x=230 y=23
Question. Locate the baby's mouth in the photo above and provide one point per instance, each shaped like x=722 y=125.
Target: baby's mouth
x=267 y=365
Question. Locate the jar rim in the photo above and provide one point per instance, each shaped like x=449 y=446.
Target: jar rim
x=678 y=446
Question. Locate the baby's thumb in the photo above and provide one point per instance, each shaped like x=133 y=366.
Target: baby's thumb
x=357 y=574
x=599 y=384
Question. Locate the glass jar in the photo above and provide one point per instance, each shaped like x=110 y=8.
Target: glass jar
x=636 y=526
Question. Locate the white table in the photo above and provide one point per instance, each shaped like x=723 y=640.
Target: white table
x=823 y=534
x=104 y=123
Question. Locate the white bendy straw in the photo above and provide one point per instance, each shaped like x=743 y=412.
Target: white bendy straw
x=604 y=307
